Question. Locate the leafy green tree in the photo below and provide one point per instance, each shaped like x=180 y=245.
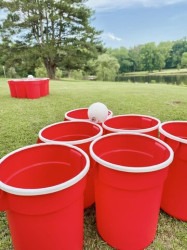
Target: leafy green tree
x=107 y=67
x=53 y=30
x=90 y=68
x=77 y=74
x=178 y=48
x=147 y=55
x=58 y=73
x=184 y=60
x=134 y=57
x=164 y=48
x=122 y=55
x=21 y=57
x=77 y=59
x=159 y=60
x=41 y=71
x=11 y=73
x=151 y=57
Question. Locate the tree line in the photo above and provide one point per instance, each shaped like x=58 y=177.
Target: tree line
x=149 y=57
x=55 y=38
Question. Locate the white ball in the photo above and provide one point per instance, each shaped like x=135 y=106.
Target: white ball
x=98 y=112
x=30 y=76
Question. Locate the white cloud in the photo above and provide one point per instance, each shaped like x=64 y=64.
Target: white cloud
x=112 y=37
x=103 y=5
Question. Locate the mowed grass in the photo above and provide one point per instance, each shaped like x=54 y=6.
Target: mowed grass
x=21 y=120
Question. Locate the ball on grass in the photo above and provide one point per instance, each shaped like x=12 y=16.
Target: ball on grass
x=98 y=112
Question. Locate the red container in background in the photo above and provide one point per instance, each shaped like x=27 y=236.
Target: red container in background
x=174 y=199
x=79 y=133
x=131 y=171
x=41 y=190
x=31 y=88
x=132 y=122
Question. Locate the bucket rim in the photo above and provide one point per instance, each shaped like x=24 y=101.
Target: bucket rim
x=144 y=130
x=167 y=134
x=28 y=79
x=76 y=142
x=132 y=169
x=66 y=116
x=46 y=190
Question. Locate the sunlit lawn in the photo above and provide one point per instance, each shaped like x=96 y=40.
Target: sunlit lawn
x=21 y=120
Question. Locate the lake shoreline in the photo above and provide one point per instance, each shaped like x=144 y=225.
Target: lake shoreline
x=157 y=73
x=169 y=77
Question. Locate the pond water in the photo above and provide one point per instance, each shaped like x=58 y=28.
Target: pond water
x=168 y=79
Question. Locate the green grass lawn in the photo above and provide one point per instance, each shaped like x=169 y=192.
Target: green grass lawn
x=21 y=120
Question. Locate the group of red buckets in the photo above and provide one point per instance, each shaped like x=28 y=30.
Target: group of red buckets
x=130 y=166
x=31 y=88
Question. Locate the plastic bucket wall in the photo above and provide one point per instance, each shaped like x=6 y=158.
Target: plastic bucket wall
x=12 y=88
x=33 y=88
x=37 y=87
x=41 y=189
x=174 y=201
x=80 y=114
x=131 y=172
x=132 y=122
x=81 y=134
x=44 y=86
x=20 y=88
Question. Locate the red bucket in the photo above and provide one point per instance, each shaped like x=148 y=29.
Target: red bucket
x=81 y=134
x=132 y=122
x=41 y=190
x=174 y=201
x=131 y=172
x=80 y=114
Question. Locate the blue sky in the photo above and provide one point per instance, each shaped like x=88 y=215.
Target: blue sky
x=132 y=22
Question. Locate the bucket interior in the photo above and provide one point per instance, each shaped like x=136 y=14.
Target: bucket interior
x=41 y=166
x=81 y=113
x=131 y=150
x=178 y=129
x=78 y=113
x=70 y=131
x=131 y=122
